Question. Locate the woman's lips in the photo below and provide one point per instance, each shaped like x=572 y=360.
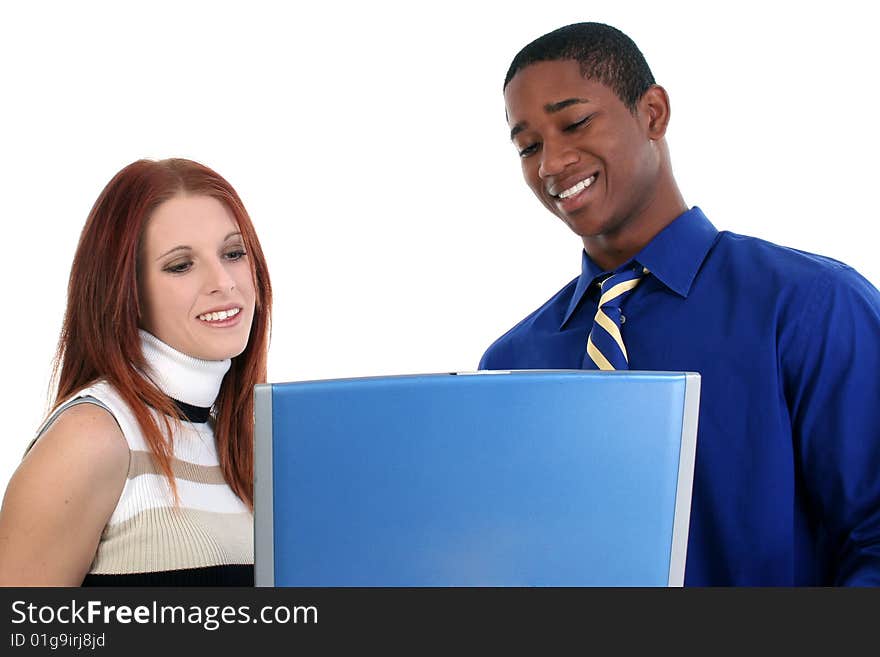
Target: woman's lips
x=221 y=318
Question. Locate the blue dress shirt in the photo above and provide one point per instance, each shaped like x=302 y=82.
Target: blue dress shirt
x=787 y=480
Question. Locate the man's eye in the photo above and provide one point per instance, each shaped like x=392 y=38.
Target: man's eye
x=578 y=124
x=528 y=150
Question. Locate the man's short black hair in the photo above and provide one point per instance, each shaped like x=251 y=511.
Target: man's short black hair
x=605 y=54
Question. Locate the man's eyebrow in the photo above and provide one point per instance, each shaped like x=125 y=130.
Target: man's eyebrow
x=550 y=108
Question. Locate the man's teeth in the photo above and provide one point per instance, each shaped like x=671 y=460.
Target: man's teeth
x=581 y=186
x=223 y=314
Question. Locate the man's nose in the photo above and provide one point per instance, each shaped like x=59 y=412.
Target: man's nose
x=556 y=155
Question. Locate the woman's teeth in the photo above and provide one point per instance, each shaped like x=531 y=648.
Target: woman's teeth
x=223 y=314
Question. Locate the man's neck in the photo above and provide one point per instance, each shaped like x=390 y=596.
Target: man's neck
x=612 y=250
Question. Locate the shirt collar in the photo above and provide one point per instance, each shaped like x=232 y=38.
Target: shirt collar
x=673 y=257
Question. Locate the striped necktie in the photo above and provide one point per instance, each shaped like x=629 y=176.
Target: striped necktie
x=605 y=348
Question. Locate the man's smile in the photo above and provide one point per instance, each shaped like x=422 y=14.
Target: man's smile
x=577 y=187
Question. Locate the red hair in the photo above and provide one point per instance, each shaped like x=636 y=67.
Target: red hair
x=99 y=336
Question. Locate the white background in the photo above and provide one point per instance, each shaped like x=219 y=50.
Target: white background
x=369 y=145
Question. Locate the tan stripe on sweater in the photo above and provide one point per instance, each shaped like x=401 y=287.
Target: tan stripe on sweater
x=174 y=538
x=144 y=463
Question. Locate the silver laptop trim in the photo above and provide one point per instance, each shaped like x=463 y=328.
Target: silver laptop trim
x=264 y=536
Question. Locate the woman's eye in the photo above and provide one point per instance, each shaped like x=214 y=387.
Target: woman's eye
x=236 y=254
x=178 y=267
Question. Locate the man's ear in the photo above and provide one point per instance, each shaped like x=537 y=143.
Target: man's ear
x=654 y=107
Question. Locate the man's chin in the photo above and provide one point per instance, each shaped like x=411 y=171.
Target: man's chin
x=585 y=228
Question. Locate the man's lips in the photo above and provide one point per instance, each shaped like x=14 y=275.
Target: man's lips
x=576 y=188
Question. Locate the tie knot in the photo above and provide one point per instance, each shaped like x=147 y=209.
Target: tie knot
x=616 y=287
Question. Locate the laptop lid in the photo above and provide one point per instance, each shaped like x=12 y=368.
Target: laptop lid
x=524 y=478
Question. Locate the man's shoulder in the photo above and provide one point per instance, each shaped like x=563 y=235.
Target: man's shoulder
x=761 y=257
x=799 y=278
x=550 y=315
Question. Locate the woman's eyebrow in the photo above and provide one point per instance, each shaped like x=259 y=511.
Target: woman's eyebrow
x=184 y=247
x=176 y=248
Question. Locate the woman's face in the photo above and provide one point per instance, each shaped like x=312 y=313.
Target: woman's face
x=195 y=282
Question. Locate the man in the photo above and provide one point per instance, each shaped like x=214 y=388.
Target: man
x=787 y=480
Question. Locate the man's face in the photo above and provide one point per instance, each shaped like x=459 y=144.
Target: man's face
x=584 y=154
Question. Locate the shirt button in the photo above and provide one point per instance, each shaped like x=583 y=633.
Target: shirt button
x=622 y=319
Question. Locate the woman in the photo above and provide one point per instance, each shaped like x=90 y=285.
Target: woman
x=143 y=472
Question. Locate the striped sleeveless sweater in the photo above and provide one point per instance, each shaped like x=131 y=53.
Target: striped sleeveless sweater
x=208 y=538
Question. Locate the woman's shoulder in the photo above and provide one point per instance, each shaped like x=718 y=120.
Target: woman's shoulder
x=81 y=455
x=61 y=496
x=97 y=395
x=86 y=436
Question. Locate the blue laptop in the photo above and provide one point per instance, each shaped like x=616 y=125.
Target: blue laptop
x=522 y=478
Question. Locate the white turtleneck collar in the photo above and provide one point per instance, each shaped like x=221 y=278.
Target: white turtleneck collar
x=190 y=380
